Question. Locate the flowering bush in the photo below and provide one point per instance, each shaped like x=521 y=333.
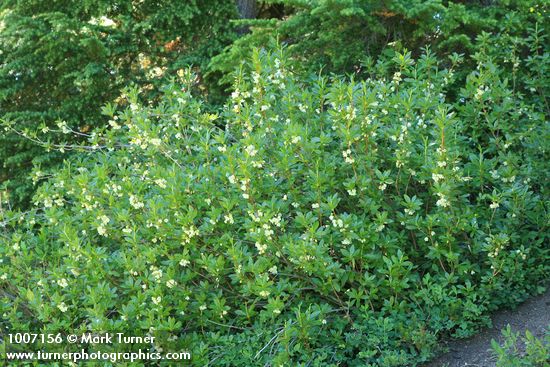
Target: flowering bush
x=310 y=222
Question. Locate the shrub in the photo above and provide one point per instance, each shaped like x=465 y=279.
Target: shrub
x=311 y=221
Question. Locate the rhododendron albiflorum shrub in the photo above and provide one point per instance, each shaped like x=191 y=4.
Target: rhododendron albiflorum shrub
x=310 y=222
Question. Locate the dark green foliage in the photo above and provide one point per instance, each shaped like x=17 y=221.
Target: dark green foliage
x=62 y=60
x=345 y=36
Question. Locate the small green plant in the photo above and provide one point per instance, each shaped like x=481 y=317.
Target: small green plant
x=522 y=351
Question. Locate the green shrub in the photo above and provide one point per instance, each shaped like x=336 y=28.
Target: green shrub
x=310 y=222
x=536 y=352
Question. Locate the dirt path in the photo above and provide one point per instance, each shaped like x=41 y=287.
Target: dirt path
x=533 y=315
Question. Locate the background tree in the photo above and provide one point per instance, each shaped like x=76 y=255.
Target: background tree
x=346 y=36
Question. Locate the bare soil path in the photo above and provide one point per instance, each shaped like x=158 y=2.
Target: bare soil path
x=533 y=315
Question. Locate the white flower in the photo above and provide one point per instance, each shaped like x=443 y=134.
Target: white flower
x=156 y=141
x=135 y=202
x=494 y=205
x=4 y=276
x=352 y=192
x=261 y=247
x=382 y=186
x=273 y=270
x=62 y=307
x=104 y=219
x=171 y=283
x=251 y=150
x=156 y=300
x=62 y=282
x=102 y=231
x=315 y=206
x=161 y=182
x=296 y=139
x=114 y=124
x=264 y=293
x=184 y=262
x=228 y=218
x=437 y=177
x=202 y=307
x=156 y=273
x=442 y=202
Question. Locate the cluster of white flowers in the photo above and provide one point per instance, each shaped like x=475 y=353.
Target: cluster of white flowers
x=276 y=220
x=347 y=156
x=228 y=218
x=244 y=187
x=256 y=216
x=189 y=233
x=337 y=222
x=161 y=182
x=443 y=202
x=62 y=282
x=114 y=124
x=397 y=77
x=521 y=253
x=114 y=189
x=102 y=21
x=251 y=150
x=101 y=228
x=184 y=262
x=135 y=203
x=171 y=283
x=481 y=90
x=261 y=248
x=437 y=177
x=62 y=307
